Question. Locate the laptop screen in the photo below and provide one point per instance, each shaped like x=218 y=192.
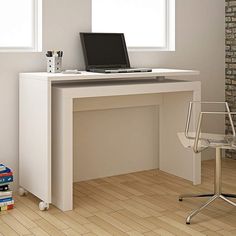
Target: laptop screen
x=104 y=50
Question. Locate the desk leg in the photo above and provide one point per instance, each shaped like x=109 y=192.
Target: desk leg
x=62 y=151
x=174 y=158
x=35 y=138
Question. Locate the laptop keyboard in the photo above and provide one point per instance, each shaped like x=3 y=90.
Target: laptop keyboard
x=127 y=70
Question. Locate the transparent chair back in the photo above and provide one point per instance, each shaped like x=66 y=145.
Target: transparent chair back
x=201 y=140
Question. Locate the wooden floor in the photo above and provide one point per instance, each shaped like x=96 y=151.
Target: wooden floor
x=143 y=203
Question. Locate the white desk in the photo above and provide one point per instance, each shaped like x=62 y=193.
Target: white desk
x=47 y=172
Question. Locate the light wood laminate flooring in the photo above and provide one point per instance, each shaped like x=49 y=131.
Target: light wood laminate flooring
x=143 y=203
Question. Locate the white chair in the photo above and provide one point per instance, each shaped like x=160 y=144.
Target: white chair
x=199 y=141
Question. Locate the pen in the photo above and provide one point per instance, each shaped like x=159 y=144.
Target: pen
x=49 y=54
x=54 y=54
x=60 y=53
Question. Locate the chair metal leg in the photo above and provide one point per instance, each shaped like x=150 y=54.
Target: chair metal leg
x=218 y=172
x=217 y=190
x=181 y=197
x=227 y=200
x=195 y=212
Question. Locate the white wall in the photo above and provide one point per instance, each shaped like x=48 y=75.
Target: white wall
x=199 y=45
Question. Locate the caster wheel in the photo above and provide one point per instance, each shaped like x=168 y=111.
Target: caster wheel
x=187 y=223
x=180 y=199
x=22 y=192
x=43 y=206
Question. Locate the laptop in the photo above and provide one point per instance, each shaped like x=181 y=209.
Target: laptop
x=107 y=53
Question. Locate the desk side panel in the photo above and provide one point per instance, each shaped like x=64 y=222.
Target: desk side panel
x=174 y=158
x=35 y=137
x=62 y=151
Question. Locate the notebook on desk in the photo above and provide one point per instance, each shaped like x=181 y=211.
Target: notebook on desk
x=107 y=53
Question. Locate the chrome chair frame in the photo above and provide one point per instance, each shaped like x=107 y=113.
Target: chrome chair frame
x=225 y=144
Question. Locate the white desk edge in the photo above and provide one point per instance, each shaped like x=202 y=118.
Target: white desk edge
x=92 y=76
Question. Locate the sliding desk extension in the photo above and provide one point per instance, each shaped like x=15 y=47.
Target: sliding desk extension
x=46 y=130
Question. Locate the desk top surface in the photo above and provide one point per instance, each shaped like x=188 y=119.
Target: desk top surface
x=84 y=75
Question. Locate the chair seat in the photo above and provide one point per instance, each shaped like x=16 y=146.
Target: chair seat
x=208 y=140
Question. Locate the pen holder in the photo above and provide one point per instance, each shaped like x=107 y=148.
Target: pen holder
x=54 y=64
